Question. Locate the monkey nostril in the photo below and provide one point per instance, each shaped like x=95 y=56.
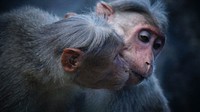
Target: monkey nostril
x=148 y=67
x=147 y=63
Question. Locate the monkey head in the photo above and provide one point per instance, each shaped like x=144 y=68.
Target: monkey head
x=93 y=60
x=102 y=67
x=143 y=35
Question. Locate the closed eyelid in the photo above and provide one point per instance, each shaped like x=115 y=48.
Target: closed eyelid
x=152 y=29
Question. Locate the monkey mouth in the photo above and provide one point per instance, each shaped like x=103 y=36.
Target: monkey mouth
x=135 y=78
x=139 y=76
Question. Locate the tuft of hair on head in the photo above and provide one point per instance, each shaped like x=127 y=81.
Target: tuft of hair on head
x=98 y=31
x=87 y=32
x=154 y=8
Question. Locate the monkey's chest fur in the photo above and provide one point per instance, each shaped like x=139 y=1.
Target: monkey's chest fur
x=141 y=98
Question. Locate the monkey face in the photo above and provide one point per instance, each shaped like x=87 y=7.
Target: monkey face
x=142 y=36
x=143 y=42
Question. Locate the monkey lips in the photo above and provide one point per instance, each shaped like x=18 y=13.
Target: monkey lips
x=134 y=78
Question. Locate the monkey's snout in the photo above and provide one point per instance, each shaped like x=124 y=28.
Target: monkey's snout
x=147 y=63
x=149 y=69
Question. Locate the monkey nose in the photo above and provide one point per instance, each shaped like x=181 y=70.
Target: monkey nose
x=149 y=68
x=147 y=63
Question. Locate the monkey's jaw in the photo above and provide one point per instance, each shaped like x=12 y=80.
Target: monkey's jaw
x=134 y=78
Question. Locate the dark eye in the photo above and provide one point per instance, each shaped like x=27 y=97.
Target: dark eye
x=157 y=44
x=144 y=36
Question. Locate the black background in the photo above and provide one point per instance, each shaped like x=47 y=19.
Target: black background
x=178 y=68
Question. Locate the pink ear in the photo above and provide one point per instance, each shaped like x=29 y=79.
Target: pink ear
x=71 y=59
x=103 y=8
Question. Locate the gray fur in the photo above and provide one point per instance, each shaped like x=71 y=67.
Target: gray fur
x=31 y=44
x=145 y=97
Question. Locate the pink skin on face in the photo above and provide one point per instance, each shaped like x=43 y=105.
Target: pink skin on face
x=139 y=54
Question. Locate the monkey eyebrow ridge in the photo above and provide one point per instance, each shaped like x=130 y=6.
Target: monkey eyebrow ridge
x=153 y=29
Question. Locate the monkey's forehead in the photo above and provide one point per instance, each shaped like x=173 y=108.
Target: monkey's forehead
x=130 y=22
x=130 y=19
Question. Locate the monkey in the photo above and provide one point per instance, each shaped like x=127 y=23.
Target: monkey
x=125 y=84
x=47 y=61
x=143 y=25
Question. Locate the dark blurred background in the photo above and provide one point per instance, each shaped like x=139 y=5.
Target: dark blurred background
x=177 y=68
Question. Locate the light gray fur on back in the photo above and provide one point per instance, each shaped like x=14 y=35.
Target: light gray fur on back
x=17 y=58
x=21 y=23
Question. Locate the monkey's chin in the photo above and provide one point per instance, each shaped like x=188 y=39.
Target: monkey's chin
x=134 y=78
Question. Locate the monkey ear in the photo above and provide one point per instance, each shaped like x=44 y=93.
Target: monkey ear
x=71 y=59
x=102 y=8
